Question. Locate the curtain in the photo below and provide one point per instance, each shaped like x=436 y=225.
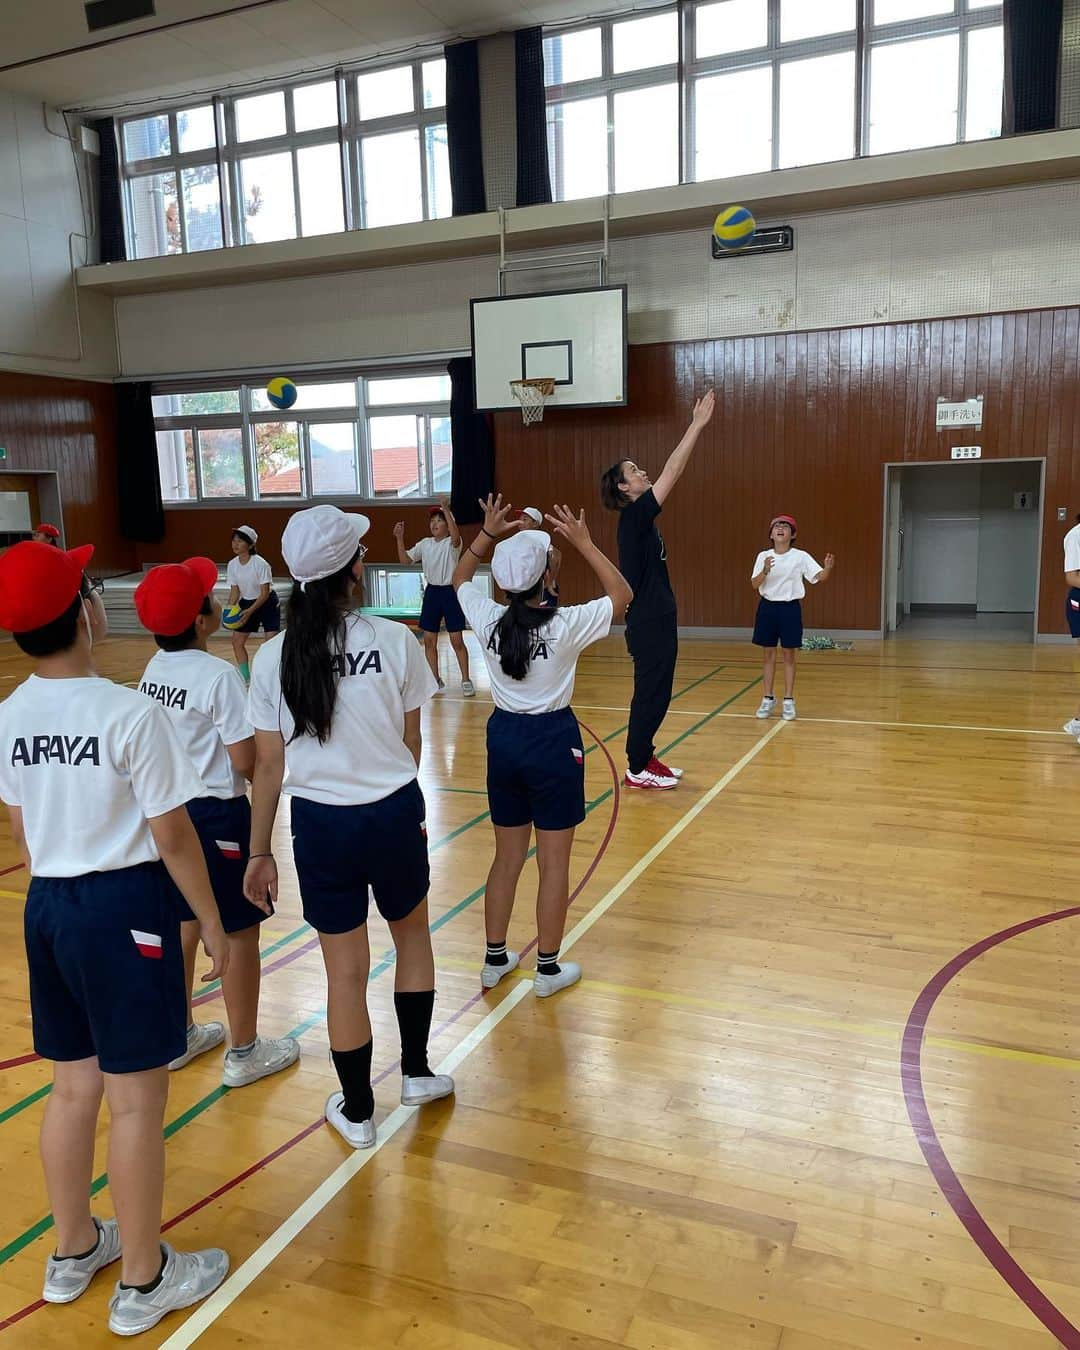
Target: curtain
x=1032 y=52
x=464 y=145
x=142 y=515
x=533 y=179
x=110 y=199
x=473 y=447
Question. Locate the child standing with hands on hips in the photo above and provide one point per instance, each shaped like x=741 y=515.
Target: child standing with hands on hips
x=779 y=577
x=438 y=555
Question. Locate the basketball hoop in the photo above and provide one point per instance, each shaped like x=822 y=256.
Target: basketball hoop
x=531 y=394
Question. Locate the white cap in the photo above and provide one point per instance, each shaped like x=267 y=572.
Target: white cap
x=533 y=514
x=520 y=561
x=321 y=541
x=250 y=530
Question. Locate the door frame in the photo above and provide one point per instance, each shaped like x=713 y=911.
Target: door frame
x=883 y=631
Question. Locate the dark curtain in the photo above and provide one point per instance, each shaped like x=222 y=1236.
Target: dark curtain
x=463 y=129
x=533 y=179
x=1032 y=51
x=142 y=516
x=110 y=199
x=473 y=447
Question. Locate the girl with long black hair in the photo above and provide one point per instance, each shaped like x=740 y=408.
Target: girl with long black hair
x=335 y=701
x=536 y=762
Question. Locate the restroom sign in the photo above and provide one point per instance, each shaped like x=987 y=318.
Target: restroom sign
x=966 y=413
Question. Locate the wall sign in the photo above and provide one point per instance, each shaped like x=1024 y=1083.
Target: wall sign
x=966 y=413
x=967 y=452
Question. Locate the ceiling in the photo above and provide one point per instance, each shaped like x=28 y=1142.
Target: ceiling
x=192 y=45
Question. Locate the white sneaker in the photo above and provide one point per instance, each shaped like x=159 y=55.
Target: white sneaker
x=417 y=1091
x=491 y=975
x=766 y=706
x=468 y=688
x=203 y=1036
x=787 y=713
x=266 y=1057
x=1072 y=727
x=186 y=1279
x=647 y=779
x=66 y=1277
x=546 y=985
x=360 y=1134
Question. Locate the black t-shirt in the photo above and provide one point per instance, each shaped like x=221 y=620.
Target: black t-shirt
x=643 y=560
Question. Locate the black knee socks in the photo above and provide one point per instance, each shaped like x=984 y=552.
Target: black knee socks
x=414 y=1022
x=354 y=1074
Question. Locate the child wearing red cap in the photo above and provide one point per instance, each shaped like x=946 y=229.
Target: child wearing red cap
x=778 y=576
x=46 y=534
x=438 y=555
x=205 y=699
x=95 y=783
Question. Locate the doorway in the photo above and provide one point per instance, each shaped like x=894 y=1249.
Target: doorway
x=961 y=550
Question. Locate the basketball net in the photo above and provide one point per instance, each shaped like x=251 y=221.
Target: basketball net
x=532 y=394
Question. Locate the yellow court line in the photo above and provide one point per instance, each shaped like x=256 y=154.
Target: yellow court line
x=14 y=895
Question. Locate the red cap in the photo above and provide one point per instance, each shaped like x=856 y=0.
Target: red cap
x=784 y=520
x=38 y=582
x=437 y=511
x=169 y=598
x=50 y=530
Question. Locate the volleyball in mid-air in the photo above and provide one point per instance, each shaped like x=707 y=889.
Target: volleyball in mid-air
x=734 y=228
x=231 y=616
x=281 y=391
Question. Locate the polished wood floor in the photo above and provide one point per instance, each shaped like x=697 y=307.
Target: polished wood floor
x=709 y=1142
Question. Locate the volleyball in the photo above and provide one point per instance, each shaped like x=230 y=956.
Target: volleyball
x=734 y=228
x=231 y=616
x=282 y=392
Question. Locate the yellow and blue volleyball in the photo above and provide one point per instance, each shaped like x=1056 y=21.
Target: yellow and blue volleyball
x=231 y=616
x=734 y=228
x=281 y=391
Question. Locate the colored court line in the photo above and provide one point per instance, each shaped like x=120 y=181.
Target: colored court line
x=965 y=1209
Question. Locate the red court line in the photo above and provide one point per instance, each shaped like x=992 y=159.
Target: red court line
x=30 y=1058
x=1014 y=1275
x=13 y=868
x=276 y=964
x=298 y=1138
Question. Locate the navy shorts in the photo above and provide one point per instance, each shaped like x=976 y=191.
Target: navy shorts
x=1072 y=611
x=441 y=603
x=224 y=830
x=341 y=851
x=536 y=769
x=778 y=621
x=106 y=968
x=267 y=617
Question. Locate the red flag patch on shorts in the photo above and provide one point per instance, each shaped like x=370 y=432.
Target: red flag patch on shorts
x=149 y=944
x=579 y=755
x=229 y=849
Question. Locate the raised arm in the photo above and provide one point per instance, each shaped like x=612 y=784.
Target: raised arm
x=495 y=525
x=452 y=525
x=573 y=529
x=399 y=539
x=680 y=456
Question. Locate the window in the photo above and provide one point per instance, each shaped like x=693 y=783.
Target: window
x=766 y=84
x=363 y=149
x=390 y=586
x=374 y=437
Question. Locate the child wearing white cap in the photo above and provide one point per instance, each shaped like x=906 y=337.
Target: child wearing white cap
x=250 y=586
x=335 y=703
x=536 y=762
x=438 y=555
x=531 y=517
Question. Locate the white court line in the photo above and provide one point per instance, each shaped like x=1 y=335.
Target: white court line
x=917 y=726
x=671 y=712
x=244 y=1275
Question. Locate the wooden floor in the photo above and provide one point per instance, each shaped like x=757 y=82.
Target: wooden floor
x=709 y=1143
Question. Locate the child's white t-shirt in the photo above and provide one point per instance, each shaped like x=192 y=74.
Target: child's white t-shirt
x=789 y=571
x=438 y=558
x=249 y=576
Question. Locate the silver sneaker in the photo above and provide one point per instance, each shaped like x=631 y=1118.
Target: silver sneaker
x=357 y=1133
x=417 y=1091
x=1072 y=727
x=186 y=1278
x=266 y=1057
x=468 y=688
x=203 y=1036
x=787 y=713
x=546 y=985
x=67 y=1277
x=491 y=975
x=766 y=706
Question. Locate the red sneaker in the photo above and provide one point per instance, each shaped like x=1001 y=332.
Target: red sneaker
x=648 y=779
x=658 y=766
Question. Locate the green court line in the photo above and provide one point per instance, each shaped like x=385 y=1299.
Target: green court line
x=26 y=1101
x=385 y=963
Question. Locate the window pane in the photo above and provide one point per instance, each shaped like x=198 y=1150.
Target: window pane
x=578 y=146
x=434 y=75
x=985 y=73
x=221 y=461
x=277 y=459
x=437 y=167
x=385 y=92
x=573 y=56
x=395 y=456
x=652 y=41
x=730 y=26
x=319 y=167
x=333 y=457
x=894 y=11
x=817 y=109
x=410 y=389
x=260 y=115
x=202 y=208
x=340 y=394
x=195 y=128
x=798 y=19
x=647 y=138
x=392 y=191
x=983 y=4
x=147 y=138
x=441 y=453
x=204 y=402
x=176 y=465
x=315 y=105
x=266 y=195
x=900 y=122
x=155 y=215
x=741 y=103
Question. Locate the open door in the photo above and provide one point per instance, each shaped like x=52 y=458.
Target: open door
x=894 y=550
